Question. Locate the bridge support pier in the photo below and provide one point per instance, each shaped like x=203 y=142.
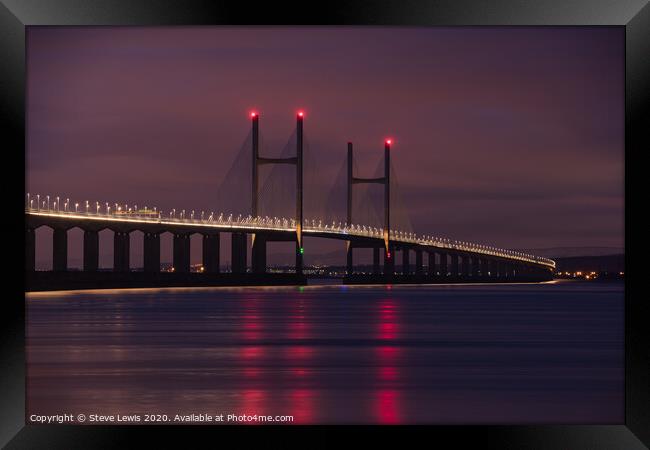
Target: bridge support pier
x=211 y=248
x=151 y=252
x=476 y=266
x=121 y=250
x=91 y=251
x=389 y=261
x=238 y=253
x=406 y=267
x=431 y=259
x=455 y=270
x=349 y=264
x=375 y=261
x=483 y=267
x=60 y=250
x=182 y=253
x=418 y=262
x=298 y=257
x=30 y=249
x=258 y=254
x=465 y=268
x=443 y=268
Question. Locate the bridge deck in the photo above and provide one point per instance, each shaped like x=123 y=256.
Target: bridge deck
x=282 y=228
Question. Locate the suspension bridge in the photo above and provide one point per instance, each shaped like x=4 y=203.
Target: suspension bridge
x=382 y=226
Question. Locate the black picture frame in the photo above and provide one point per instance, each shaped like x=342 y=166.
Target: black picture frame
x=634 y=15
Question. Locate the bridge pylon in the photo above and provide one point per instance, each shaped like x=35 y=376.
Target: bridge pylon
x=389 y=258
x=259 y=242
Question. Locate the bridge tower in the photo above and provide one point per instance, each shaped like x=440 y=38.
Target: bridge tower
x=260 y=240
x=389 y=264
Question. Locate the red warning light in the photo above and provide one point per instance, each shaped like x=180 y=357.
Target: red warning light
x=253 y=114
x=388 y=255
x=389 y=141
x=301 y=113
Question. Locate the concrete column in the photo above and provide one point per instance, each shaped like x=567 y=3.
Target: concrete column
x=476 y=266
x=30 y=249
x=465 y=268
x=91 y=251
x=121 y=250
x=389 y=261
x=258 y=256
x=418 y=262
x=182 y=253
x=375 y=261
x=406 y=267
x=60 y=250
x=442 y=265
x=483 y=268
x=455 y=271
x=501 y=269
x=211 y=248
x=431 y=256
x=525 y=270
x=519 y=270
x=152 y=252
x=349 y=265
x=299 y=258
x=493 y=268
x=238 y=253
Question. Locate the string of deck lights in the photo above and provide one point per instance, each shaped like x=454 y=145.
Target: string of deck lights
x=52 y=206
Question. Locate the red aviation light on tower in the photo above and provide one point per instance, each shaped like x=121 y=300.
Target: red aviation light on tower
x=253 y=114
x=301 y=114
x=389 y=141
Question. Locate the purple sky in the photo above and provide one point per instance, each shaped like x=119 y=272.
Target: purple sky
x=507 y=136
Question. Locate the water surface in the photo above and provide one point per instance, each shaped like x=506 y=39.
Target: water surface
x=521 y=353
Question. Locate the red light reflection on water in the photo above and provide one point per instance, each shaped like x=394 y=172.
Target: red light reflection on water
x=252 y=372
x=251 y=354
x=388 y=325
x=387 y=399
x=388 y=373
x=301 y=400
x=251 y=326
x=302 y=406
x=299 y=352
x=253 y=401
x=298 y=326
x=388 y=407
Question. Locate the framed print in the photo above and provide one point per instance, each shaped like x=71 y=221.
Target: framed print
x=407 y=217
